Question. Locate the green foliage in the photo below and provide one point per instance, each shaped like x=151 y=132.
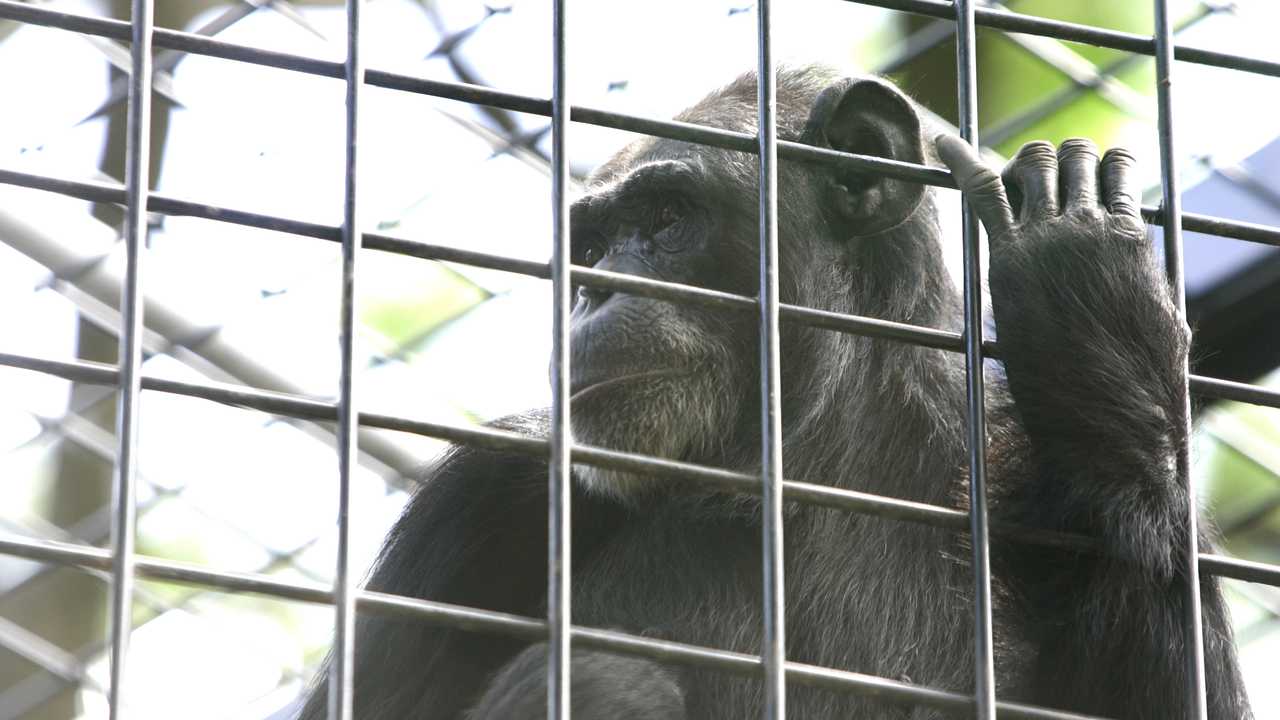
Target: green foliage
x=406 y=301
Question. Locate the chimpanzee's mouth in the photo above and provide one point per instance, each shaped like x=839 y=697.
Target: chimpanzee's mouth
x=589 y=385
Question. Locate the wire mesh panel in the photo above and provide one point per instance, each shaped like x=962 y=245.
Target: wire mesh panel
x=959 y=21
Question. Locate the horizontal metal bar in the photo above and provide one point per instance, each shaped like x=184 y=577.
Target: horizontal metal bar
x=480 y=620
x=866 y=326
x=1000 y=19
x=618 y=282
x=170 y=205
x=1238 y=569
x=793 y=490
x=1230 y=390
x=1211 y=225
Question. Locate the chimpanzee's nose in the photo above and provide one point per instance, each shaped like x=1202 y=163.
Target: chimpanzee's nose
x=619 y=261
x=592 y=296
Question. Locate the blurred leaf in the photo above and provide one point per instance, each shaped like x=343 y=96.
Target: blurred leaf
x=1243 y=473
x=1088 y=116
x=403 y=301
x=1126 y=17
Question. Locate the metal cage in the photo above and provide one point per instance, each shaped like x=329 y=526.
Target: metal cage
x=124 y=564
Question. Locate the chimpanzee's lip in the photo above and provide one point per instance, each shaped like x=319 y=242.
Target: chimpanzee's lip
x=581 y=389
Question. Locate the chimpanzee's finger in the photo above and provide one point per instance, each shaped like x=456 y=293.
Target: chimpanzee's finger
x=1078 y=174
x=979 y=183
x=1119 y=189
x=1034 y=172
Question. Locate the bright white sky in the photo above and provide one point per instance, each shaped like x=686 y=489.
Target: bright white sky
x=272 y=141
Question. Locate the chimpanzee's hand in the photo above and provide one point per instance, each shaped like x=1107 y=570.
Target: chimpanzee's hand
x=1095 y=356
x=1074 y=288
x=1055 y=196
x=1092 y=346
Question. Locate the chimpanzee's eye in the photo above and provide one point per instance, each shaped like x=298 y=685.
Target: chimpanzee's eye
x=669 y=212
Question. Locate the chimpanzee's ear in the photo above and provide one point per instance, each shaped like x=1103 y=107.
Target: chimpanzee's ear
x=867 y=117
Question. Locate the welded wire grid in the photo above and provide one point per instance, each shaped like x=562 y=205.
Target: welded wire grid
x=88 y=276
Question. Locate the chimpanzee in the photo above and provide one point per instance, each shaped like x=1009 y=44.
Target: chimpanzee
x=1085 y=427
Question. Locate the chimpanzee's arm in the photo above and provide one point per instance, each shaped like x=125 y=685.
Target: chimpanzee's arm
x=474 y=534
x=1094 y=353
x=1092 y=347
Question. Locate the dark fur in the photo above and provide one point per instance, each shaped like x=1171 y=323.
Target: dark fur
x=1087 y=445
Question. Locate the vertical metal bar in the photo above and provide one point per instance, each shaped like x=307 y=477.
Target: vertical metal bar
x=137 y=182
x=774 y=606
x=983 y=656
x=1172 y=211
x=558 y=535
x=342 y=669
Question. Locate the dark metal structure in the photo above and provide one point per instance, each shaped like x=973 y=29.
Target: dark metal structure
x=557 y=627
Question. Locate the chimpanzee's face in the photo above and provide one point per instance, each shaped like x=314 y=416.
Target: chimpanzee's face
x=647 y=375
x=680 y=380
